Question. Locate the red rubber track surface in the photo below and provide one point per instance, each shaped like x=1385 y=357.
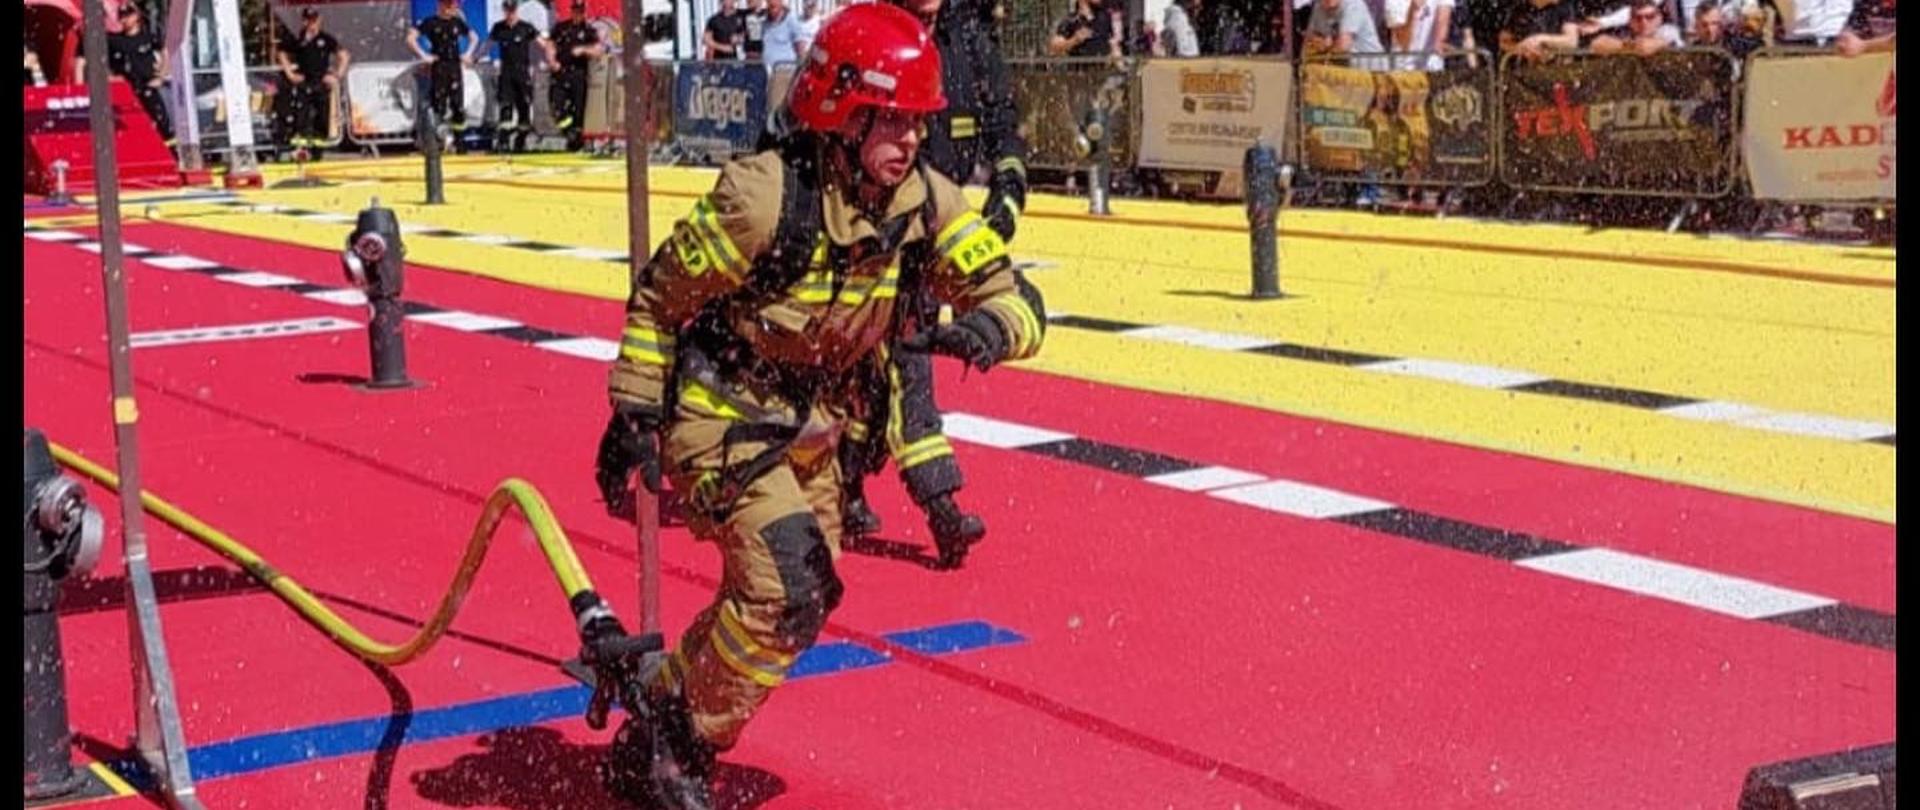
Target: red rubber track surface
x=1181 y=649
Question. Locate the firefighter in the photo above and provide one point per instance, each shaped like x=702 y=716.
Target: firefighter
x=576 y=43
x=138 y=55
x=977 y=132
x=446 y=59
x=741 y=331
x=311 y=64
x=515 y=91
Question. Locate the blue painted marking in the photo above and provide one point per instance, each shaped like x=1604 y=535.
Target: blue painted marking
x=259 y=752
x=953 y=638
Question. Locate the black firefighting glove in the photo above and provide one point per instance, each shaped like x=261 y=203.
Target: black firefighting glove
x=1006 y=198
x=631 y=441
x=974 y=337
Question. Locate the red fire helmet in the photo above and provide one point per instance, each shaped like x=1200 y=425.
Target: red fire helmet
x=866 y=55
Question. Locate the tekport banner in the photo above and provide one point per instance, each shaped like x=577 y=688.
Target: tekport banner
x=1820 y=127
x=1659 y=125
x=1204 y=113
x=1400 y=126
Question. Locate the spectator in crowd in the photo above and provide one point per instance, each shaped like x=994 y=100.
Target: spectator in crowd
x=1418 y=26
x=1177 y=36
x=1087 y=32
x=756 y=20
x=725 y=34
x=785 y=42
x=576 y=43
x=1816 y=23
x=1533 y=28
x=136 y=54
x=809 y=22
x=1344 y=27
x=1647 y=32
x=1869 y=29
x=35 y=77
x=1709 y=27
x=311 y=64
x=1461 y=25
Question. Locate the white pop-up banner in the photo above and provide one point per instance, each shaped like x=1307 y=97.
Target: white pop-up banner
x=1204 y=113
x=1820 y=128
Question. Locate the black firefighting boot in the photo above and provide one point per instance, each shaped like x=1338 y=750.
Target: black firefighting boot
x=657 y=761
x=954 y=531
x=856 y=517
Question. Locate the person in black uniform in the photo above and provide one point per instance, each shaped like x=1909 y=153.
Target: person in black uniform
x=576 y=43
x=311 y=64
x=515 y=91
x=137 y=54
x=446 y=58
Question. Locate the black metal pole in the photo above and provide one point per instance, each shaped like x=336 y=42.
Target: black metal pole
x=427 y=126
x=1262 y=177
x=48 y=764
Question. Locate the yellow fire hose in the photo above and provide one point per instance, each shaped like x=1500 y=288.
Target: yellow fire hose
x=511 y=492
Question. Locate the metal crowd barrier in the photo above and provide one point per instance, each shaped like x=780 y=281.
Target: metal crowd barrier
x=1428 y=120
x=1056 y=98
x=1659 y=125
x=1852 y=130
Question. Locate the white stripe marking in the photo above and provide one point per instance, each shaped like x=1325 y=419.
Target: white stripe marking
x=126 y=248
x=1462 y=373
x=590 y=348
x=486 y=239
x=180 y=263
x=1714 y=411
x=1198 y=337
x=345 y=298
x=258 y=279
x=54 y=236
x=243 y=331
x=1807 y=424
x=1304 y=500
x=463 y=321
x=994 y=433
x=1204 y=478
x=1719 y=593
x=594 y=254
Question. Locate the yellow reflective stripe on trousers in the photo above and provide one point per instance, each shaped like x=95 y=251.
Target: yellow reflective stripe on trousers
x=736 y=647
x=969 y=243
x=1014 y=163
x=708 y=400
x=643 y=345
x=922 y=451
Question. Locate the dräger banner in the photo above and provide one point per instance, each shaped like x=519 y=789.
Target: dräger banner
x=720 y=108
x=1659 y=124
x=380 y=100
x=1406 y=126
x=1820 y=128
x=1204 y=113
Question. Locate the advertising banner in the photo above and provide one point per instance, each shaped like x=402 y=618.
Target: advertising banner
x=719 y=108
x=1658 y=125
x=1204 y=113
x=381 y=100
x=1820 y=128
x=1404 y=126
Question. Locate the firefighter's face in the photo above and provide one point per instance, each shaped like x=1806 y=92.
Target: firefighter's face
x=892 y=142
x=924 y=9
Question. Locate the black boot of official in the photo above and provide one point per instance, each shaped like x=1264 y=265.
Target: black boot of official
x=954 y=531
x=658 y=762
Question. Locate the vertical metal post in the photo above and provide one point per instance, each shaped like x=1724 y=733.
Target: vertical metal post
x=60 y=195
x=637 y=109
x=427 y=127
x=1261 y=168
x=158 y=736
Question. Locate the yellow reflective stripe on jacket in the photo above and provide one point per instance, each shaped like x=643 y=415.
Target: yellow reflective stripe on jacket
x=1013 y=309
x=1017 y=165
x=736 y=648
x=709 y=400
x=969 y=243
x=963 y=126
x=704 y=225
x=817 y=288
x=643 y=345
